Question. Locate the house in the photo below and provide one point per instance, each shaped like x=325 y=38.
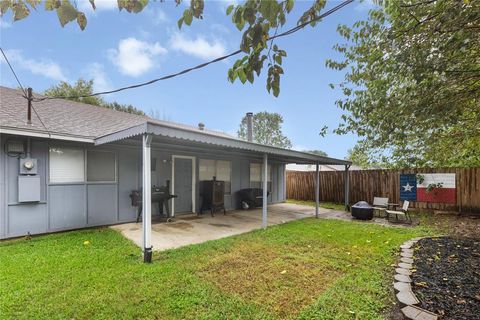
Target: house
x=73 y=165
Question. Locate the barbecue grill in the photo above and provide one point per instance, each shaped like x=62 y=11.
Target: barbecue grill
x=159 y=195
x=362 y=210
x=253 y=197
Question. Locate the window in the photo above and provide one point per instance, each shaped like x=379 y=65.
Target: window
x=100 y=166
x=220 y=169
x=256 y=176
x=66 y=165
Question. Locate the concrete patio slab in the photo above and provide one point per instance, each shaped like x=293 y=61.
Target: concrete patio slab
x=192 y=229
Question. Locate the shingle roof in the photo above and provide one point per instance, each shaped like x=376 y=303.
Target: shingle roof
x=71 y=118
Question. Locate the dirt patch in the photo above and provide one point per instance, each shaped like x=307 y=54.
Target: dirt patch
x=447 y=279
x=455 y=225
x=181 y=225
x=221 y=225
x=190 y=218
x=176 y=225
x=277 y=280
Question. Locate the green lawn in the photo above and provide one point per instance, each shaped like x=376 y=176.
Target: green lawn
x=326 y=205
x=307 y=269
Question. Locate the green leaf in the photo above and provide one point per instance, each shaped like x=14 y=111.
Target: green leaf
x=250 y=77
x=52 y=4
x=188 y=17
x=289 y=5
x=33 y=3
x=241 y=75
x=230 y=9
x=180 y=22
x=20 y=11
x=277 y=58
x=66 y=13
x=81 y=20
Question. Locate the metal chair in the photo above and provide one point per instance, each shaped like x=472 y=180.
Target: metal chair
x=380 y=205
x=404 y=212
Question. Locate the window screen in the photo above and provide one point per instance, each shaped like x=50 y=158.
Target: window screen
x=256 y=176
x=66 y=165
x=220 y=169
x=224 y=172
x=100 y=166
x=207 y=169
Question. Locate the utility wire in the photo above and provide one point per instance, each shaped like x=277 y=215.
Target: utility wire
x=13 y=71
x=202 y=65
x=24 y=91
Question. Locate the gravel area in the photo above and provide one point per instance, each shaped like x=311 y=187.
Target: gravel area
x=446 y=278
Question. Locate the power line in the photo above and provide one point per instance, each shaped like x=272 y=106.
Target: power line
x=13 y=71
x=202 y=65
x=26 y=95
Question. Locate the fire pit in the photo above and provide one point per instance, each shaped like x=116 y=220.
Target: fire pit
x=362 y=210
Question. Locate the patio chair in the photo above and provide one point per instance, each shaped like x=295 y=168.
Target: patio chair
x=403 y=212
x=380 y=205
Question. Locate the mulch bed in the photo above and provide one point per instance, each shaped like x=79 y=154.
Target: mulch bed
x=447 y=276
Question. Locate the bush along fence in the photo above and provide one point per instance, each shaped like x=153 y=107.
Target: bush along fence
x=457 y=189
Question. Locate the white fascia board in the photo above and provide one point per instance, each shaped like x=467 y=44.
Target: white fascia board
x=38 y=134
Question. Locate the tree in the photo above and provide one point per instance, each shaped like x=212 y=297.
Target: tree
x=84 y=88
x=318 y=152
x=412 y=83
x=258 y=20
x=80 y=88
x=359 y=157
x=267 y=129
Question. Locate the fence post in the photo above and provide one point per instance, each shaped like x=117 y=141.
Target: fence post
x=317 y=189
x=347 y=187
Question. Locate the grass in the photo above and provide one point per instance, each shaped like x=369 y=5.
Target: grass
x=305 y=269
x=326 y=205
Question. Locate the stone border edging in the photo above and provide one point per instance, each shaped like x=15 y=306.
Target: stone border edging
x=402 y=284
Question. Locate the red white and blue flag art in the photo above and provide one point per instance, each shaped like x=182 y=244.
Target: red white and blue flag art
x=428 y=187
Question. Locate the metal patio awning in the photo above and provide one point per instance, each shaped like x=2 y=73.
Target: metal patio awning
x=199 y=138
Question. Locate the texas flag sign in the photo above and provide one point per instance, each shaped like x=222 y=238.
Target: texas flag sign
x=428 y=187
x=408 y=187
x=444 y=193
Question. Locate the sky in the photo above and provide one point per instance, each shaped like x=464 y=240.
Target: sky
x=119 y=48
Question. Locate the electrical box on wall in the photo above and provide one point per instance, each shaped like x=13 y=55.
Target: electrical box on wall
x=15 y=147
x=28 y=166
x=28 y=188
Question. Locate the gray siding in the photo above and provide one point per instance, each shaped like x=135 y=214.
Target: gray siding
x=67 y=206
x=77 y=205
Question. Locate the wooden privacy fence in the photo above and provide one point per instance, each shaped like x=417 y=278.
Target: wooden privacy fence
x=366 y=184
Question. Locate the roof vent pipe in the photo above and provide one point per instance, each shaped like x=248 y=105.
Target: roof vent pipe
x=250 y=126
x=201 y=126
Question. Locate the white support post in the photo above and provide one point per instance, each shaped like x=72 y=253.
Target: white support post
x=317 y=189
x=347 y=187
x=265 y=191
x=147 y=199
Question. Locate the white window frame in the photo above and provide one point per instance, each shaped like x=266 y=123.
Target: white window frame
x=115 y=180
x=83 y=181
x=216 y=171
x=269 y=176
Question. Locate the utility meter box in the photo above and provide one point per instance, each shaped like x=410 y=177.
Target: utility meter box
x=28 y=188
x=28 y=166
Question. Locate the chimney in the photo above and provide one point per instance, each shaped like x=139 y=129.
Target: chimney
x=250 y=126
x=201 y=126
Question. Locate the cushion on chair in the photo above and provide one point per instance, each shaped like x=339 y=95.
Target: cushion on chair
x=396 y=212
